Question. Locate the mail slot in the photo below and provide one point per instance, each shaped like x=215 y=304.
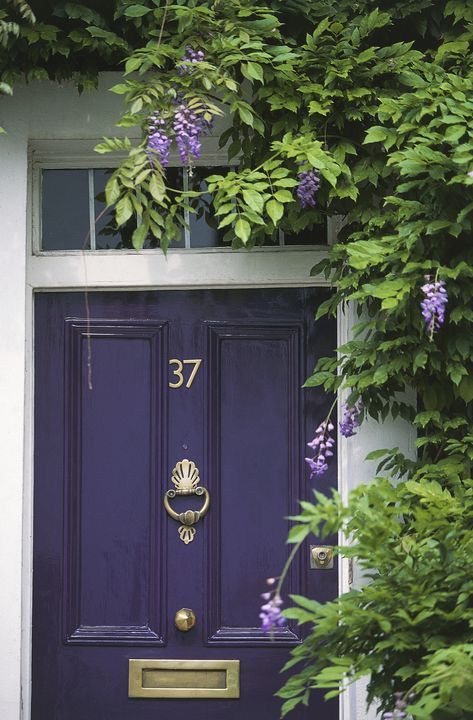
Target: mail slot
x=184 y=679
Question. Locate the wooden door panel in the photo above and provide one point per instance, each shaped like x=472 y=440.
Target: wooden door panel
x=115 y=432
x=254 y=431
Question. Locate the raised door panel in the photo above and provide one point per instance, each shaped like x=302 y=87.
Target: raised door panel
x=255 y=429
x=115 y=431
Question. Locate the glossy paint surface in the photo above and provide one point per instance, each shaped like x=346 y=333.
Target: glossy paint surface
x=110 y=570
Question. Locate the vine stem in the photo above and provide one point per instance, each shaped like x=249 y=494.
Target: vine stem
x=163 y=23
x=286 y=567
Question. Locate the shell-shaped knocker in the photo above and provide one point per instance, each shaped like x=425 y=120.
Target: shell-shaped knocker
x=185 y=477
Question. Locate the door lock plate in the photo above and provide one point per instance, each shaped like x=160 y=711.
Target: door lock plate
x=321 y=557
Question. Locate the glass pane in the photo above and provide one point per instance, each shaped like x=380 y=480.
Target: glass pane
x=203 y=223
x=175 y=179
x=316 y=235
x=107 y=235
x=65 y=210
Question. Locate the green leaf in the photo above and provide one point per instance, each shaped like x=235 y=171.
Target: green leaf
x=254 y=200
x=124 y=210
x=275 y=210
x=375 y=134
x=284 y=196
x=245 y=114
x=465 y=389
x=298 y=533
x=120 y=89
x=255 y=71
x=377 y=454
x=112 y=191
x=420 y=360
x=137 y=11
x=243 y=230
x=365 y=253
x=290 y=704
x=318 y=378
x=157 y=188
x=454 y=132
x=139 y=236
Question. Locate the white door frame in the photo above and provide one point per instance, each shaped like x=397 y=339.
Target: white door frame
x=181 y=269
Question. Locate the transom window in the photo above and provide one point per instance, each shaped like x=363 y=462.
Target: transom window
x=74 y=216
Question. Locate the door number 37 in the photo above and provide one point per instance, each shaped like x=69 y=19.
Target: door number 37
x=178 y=372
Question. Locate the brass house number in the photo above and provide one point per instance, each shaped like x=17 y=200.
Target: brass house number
x=179 y=372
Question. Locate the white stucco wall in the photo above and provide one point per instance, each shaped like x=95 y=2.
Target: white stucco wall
x=42 y=112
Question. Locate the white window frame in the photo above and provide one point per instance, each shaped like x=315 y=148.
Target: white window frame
x=60 y=156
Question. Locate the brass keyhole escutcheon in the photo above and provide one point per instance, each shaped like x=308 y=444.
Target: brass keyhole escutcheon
x=185 y=619
x=321 y=557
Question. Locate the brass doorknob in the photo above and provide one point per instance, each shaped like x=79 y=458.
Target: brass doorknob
x=184 y=619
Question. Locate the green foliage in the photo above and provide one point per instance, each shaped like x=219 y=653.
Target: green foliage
x=410 y=628
x=377 y=97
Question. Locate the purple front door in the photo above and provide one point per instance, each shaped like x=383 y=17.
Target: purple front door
x=210 y=376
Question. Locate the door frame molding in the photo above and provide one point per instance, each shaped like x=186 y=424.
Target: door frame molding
x=180 y=269
x=188 y=271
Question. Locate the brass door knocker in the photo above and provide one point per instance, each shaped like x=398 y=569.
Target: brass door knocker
x=185 y=477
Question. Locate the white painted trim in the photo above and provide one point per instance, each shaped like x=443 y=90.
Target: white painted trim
x=91 y=203
x=178 y=269
x=28 y=504
x=345 y=320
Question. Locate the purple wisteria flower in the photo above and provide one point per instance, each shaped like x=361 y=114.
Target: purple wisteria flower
x=433 y=305
x=309 y=183
x=159 y=142
x=399 y=707
x=350 y=421
x=190 y=56
x=322 y=445
x=189 y=127
x=270 y=614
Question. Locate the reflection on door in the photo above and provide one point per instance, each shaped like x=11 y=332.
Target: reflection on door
x=170 y=436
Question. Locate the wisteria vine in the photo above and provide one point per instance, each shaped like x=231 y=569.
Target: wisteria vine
x=186 y=124
x=433 y=311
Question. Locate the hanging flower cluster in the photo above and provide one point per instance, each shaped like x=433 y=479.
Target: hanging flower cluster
x=159 y=143
x=350 y=421
x=270 y=614
x=186 y=126
x=309 y=183
x=189 y=127
x=191 y=56
x=400 y=706
x=433 y=305
x=322 y=445
x=323 y=442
